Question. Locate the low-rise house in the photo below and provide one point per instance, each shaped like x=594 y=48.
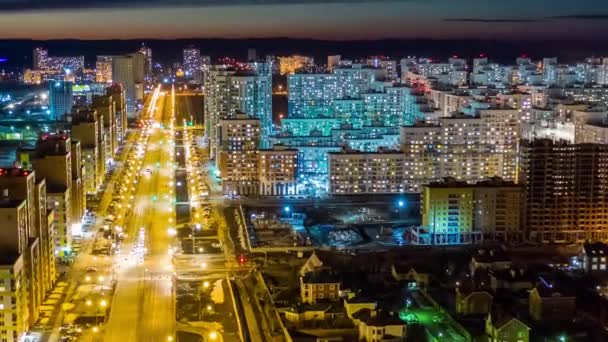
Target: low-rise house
x=312 y=312
x=411 y=275
x=504 y=327
x=357 y=303
x=472 y=301
x=511 y=279
x=548 y=304
x=319 y=287
x=379 y=326
x=490 y=259
x=593 y=257
x=313 y=264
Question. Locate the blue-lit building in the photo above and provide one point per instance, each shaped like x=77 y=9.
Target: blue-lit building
x=61 y=99
x=352 y=107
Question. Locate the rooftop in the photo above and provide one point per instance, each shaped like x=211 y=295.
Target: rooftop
x=322 y=277
x=597 y=248
x=500 y=317
x=490 y=182
x=377 y=318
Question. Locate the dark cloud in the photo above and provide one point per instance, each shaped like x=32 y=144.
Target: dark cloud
x=495 y=20
x=29 y=5
x=582 y=17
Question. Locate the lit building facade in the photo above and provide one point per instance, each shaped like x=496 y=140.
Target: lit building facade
x=61 y=99
x=278 y=171
x=51 y=159
x=566 y=197
x=456 y=212
x=192 y=64
x=129 y=72
x=40 y=58
x=78 y=194
x=313 y=95
x=147 y=53
x=353 y=172
x=103 y=69
x=87 y=128
x=23 y=184
x=113 y=107
x=388 y=65
x=590 y=126
x=14 y=312
x=467 y=148
x=290 y=64
x=238 y=156
x=229 y=92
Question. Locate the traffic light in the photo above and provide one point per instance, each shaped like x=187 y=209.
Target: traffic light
x=242 y=259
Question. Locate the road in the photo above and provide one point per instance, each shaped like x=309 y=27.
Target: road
x=142 y=308
x=134 y=296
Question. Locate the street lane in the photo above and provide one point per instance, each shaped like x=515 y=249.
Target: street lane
x=142 y=307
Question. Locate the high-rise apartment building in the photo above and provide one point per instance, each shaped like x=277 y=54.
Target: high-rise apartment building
x=78 y=191
x=333 y=61
x=355 y=172
x=40 y=58
x=313 y=95
x=468 y=148
x=104 y=106
x=14 y=312
x=389 y=66
x=15 y=238
x=232 y=91
x=129 y=72
x=103 y=69
x=61 y=99
x=278 y=171
x=590 y=126
x=52 y=159
x=566 y=190
x=147 y=52
x=456 y=212
x=113 y=107
x=46 y=235
x=239 y=140
x=39 y=256
x=87 y=127
x=192 y=63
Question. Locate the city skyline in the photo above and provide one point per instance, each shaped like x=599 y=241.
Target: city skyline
x=333 y=20
x=353 y=170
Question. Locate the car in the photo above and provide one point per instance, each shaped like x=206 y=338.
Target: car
x=91 y=269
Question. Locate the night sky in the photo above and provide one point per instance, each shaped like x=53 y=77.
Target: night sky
x=339 y=20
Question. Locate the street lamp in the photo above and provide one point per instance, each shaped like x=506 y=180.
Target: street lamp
x=213 y=335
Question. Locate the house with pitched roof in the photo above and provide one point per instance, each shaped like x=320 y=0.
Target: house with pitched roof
x=501 y=326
